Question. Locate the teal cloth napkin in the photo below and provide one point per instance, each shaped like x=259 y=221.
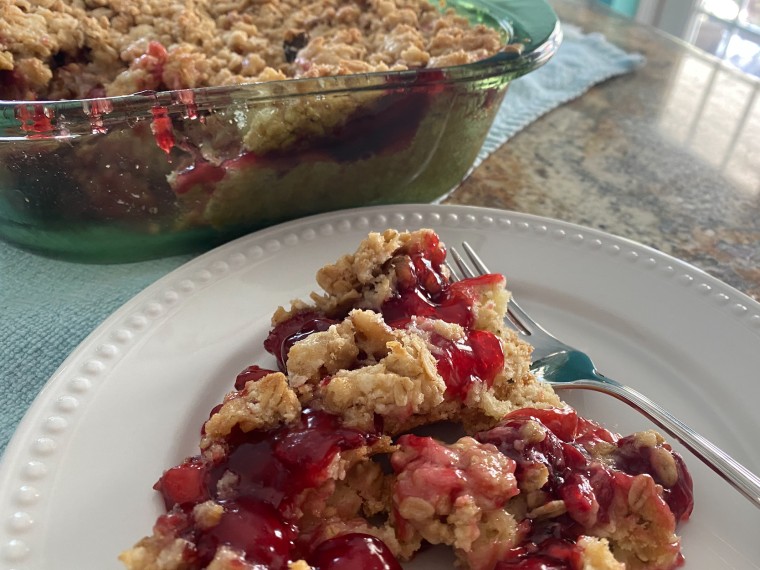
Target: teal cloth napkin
x=47 y=307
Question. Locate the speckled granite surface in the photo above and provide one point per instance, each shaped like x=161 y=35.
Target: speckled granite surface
x=663 y=156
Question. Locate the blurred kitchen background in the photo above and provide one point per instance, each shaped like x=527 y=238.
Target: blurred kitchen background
x=727 y=29
x=712 y=107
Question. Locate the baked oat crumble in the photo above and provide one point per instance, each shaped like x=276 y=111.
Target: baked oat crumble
x=323 y=462
x=59 y=49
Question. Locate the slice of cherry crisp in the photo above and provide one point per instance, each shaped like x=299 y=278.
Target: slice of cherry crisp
x=322 y=458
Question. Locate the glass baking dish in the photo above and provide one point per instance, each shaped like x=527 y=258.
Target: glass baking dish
x=153 y=174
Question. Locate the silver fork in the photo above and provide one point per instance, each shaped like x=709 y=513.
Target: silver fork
x=564 y=366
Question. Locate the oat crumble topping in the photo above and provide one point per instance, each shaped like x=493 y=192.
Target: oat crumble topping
x=60 y=49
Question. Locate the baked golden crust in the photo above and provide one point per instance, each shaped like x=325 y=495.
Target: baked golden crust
x=397 y=378
x=73 y=50
x=261 y=405
x=356 y=280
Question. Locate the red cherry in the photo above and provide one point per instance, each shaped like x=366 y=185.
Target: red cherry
x=551 y=554
x=184 y=484
x=353 y=551
x=251 y=373
x=253 y=527
x=478 y=357
x=283 y=336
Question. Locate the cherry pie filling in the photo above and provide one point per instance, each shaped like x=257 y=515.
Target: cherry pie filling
x=272 y=469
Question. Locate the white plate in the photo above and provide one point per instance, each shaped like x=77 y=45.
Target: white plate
x=75 y=481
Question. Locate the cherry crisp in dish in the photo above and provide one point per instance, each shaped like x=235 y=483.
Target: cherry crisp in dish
x=328 y=462
x=139 y=128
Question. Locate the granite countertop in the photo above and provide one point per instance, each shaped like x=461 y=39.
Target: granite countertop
x=662 y=156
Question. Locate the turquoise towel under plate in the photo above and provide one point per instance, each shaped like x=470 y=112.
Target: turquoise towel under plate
x=48 y=307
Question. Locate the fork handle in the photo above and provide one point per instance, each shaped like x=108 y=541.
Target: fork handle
x=736 y=474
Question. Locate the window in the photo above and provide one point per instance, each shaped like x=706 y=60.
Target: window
x=722 y=128
x=728 y=29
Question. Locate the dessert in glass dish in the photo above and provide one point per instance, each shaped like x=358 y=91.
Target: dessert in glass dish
x=339 y=453
x=140 y=129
